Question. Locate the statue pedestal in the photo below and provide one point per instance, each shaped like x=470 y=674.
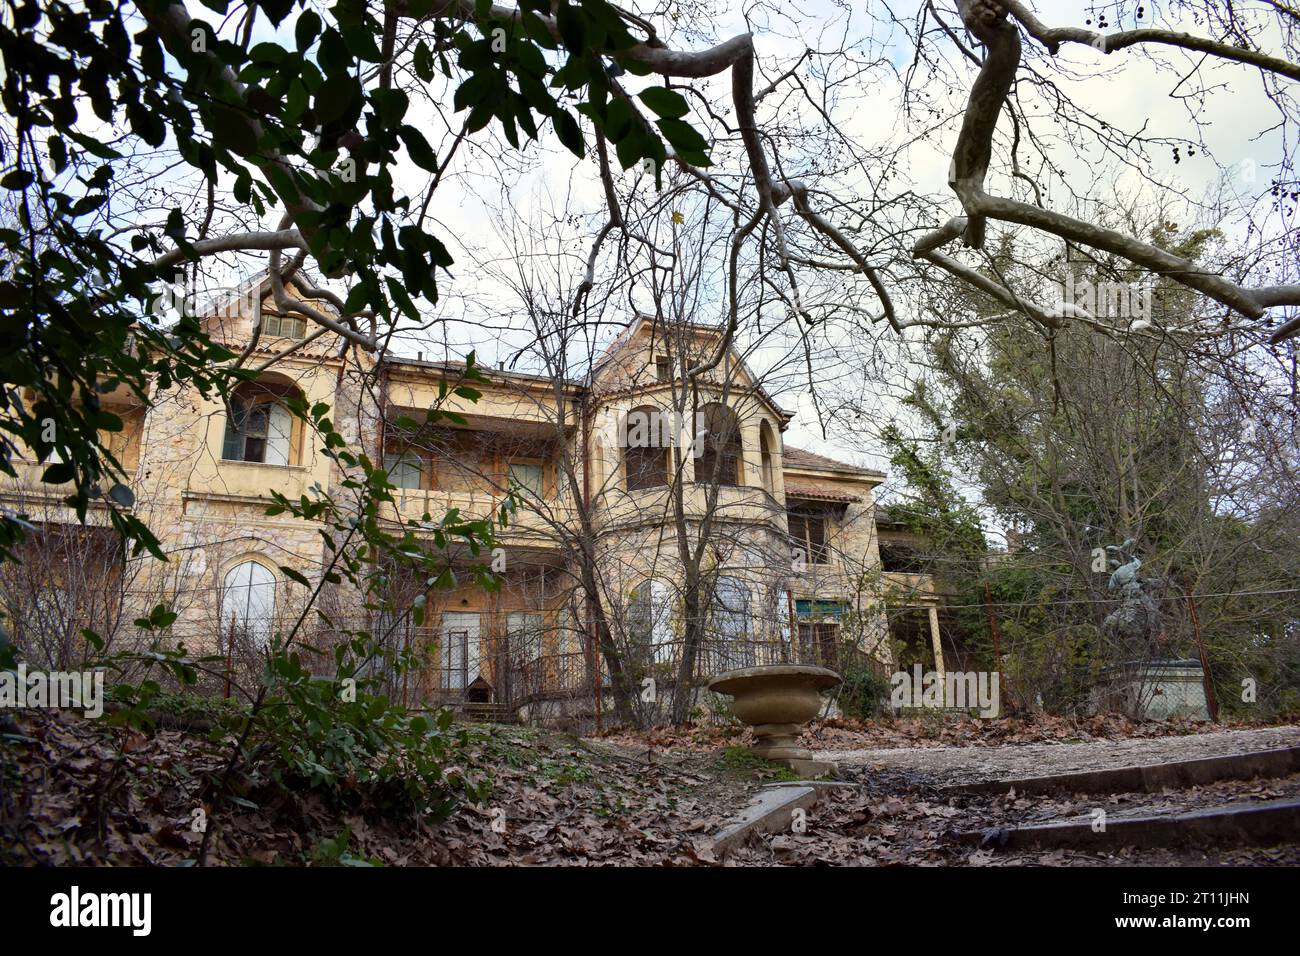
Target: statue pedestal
x=1153 y=690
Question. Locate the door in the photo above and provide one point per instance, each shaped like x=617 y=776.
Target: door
x=461 y=650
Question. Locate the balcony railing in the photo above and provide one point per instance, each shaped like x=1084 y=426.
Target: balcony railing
x=524 y=521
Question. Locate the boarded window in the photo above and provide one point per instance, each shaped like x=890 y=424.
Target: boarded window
x=527 y=477
x=524 y=630
x=650 y=626
x=732 y=624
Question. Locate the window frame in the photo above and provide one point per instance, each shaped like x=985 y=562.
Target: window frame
x=814 y=552
x=732 y=451
x=270 y=408
x=406 y=460
x=268 y=400
x=531 y=626
x=539 y=464
x=819 y=642
x=280 y=319
x=244 y=621
x=650 y=621
x=736 y=645
x=645 y=466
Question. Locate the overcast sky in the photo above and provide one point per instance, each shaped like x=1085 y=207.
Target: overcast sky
x=547 y=187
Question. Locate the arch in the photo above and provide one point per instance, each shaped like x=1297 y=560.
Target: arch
x=259 y=426
x=248 y=601
x=766 y=448
x=645 y=437
x=720 y=452
x=649 y=618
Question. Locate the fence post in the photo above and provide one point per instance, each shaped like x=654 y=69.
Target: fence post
x=1211 y=703
x=997 y=643
x=230 y=654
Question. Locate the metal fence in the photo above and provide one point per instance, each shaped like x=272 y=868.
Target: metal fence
x=537 y=675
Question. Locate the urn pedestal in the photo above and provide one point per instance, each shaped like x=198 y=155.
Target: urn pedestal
x=777 y=700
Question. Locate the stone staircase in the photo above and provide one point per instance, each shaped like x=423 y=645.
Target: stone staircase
x=490 y=713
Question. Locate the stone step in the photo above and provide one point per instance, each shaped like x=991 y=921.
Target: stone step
x=1258 y=823
x=490 y=712
x=1149 y=778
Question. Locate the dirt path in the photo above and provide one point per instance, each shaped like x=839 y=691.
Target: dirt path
x=941 y=765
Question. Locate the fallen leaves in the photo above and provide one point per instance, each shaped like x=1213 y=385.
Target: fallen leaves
x=89 y=793
x=76 y=791
x=939 y=731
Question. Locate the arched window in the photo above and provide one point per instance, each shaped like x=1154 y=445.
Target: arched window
x=650 y=626
x=766 y=444
x=731 y=624
x=259 y=427
x=718 y=435
x=248 y=602
x=645 y=436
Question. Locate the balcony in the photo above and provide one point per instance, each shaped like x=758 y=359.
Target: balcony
x=618 y=506
x=28 y=493
x=910 y=587
x=248 y=479
x=526 y=526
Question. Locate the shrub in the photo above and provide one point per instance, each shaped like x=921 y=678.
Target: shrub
x=865 y=691
x=355 y=746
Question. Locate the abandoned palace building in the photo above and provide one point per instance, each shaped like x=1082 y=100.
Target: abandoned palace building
x=663 y=464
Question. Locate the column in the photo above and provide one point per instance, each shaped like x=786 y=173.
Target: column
x=938 y=650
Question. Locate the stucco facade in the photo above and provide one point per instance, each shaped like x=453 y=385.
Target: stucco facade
x=609 y=531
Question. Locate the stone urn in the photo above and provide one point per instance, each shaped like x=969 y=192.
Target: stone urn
x=777 y=700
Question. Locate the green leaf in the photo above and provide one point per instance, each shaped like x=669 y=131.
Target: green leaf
x=92 y=145
x=17 y=179
x=293 y=575
x=573 y=28
x=338 y=96
x=418 y=148
x=683 y=136
x=231 y=130
x=146 y=124
x=123 y=495
x=536 y=30
x=306 y=29
x=667 y=103
x=267 y=52
x=566 y=127
x=423 y=62
x=276 y=10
